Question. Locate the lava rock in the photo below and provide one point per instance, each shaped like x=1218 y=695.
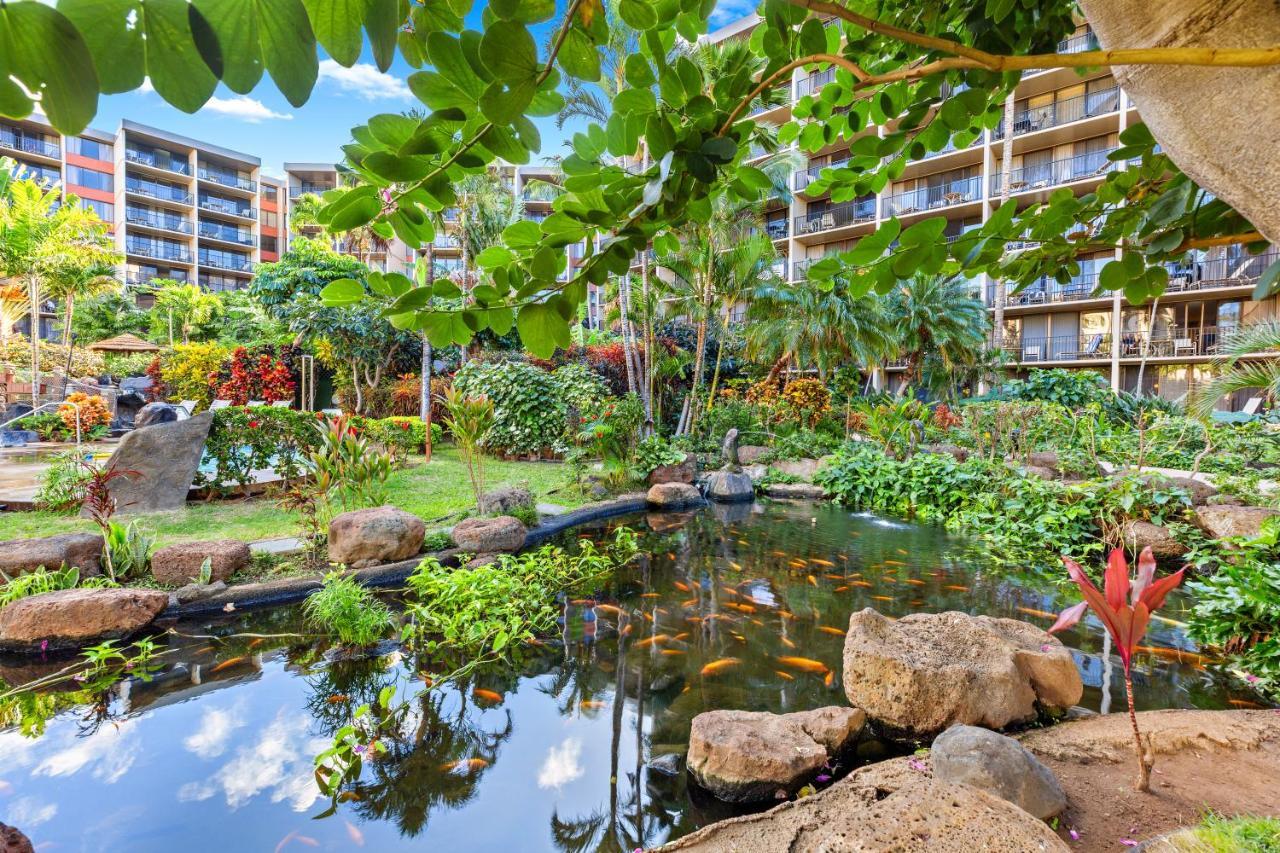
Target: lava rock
x=801 y=469
x=1144 y=534
x=730 y=486
x=999 y=765
x=175 y=565
x=748 y=756
x=70 y=618
x=489 y=535
x=750 y=454
x=797 y=491
x=672 y=496
x=163 y=458
x=197 y=592
x=505 y=499
x=370 y=537
x=78 y=550
x=13 y=841
x=679 y=472
x=917 y=675
x=667 y=764
x=955 y=451
x=1221 y=522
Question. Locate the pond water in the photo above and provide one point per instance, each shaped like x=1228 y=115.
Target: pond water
x=215 y=752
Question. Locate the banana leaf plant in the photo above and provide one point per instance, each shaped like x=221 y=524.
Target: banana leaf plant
x=1125 y=609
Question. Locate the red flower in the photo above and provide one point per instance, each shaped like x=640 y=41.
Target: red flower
x=253 y=424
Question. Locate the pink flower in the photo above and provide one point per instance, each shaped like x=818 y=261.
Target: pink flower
x=1075 y=836
x=822 y=777
x=917 y=765
x=1128 y=842
x=1251 y=678
x=44 y=645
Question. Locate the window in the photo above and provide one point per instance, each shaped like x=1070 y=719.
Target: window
x=267 y=244
x=269 y=193
x=105 y=210
x=90 y=179
x=91 y=148
x=270 y=218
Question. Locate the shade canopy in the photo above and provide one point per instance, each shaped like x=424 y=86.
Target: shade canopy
x=124 y=343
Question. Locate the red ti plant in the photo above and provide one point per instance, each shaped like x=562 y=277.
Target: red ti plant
x=1125 y=609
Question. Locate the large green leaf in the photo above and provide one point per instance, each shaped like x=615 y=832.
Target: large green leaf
x=337 y=24
x=382 y=23
x=578 y=56
x=40 y=47
x=509 y=52
x=257 y=34
x=542 y=329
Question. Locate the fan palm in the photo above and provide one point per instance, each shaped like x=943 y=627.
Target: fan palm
x=936 y=316
x=1236 y=372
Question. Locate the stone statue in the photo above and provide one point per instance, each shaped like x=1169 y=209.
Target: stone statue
x=729 y=450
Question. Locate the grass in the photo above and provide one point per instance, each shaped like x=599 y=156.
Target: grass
x=1230 y=835
x=430 y=491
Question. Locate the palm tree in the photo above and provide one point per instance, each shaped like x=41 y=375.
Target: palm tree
x=304 y=212
x=83 y=278
x=936 y=316
x=13 y=307
x=186 y=304
x=486 y=206
x=1235 y=373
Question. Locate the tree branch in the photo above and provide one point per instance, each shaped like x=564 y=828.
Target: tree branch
x=774 y=78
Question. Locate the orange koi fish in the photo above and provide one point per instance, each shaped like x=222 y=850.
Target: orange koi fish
x=682 y=586
x=812 y=580
x=776 y=553
x=465 y=765
x=827 y=629
x=626 y=630
x=841 y=589
x=804 y=664
x=894 y=563
x=486 y=695
x=736 y=567
x=592 y=705
x=956 y=587
x=228 y=663
x=649 y=595
x=337 y=698
x=829 y=678
x=1241 y=703
x=655 y=639
x=354 y=833
x=689 y=602
x=787 y=643
x=914 y=581
x=822 y=562
x=786 y=614
x=782 y=674
x=672 y=652
x=830 y=576
x=683 y=635
x=864 y=584
x=797 y=564
x=881 y=598
x=609 y=608
x=1031 y=611
x=718 y=665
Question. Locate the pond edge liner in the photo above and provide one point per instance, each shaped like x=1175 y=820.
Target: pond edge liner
x=274 y=593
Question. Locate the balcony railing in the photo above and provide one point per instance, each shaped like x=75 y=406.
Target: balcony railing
x=1170 y=342
x=836 y=216
x=1079 y=43
x=814 y=82
x=1041 y=175
x=164 y=192
x=218 y=283
x=29 y=144
x=298 y=192
x=226 y=262
x=159 y=251
x=776 y=228
x=227 y=235
x=804 y=177
x=229 y=208
x=931 y=198
x=148 y=276
x=154 y=219
x=1064 y=111
x=158 y=160
x=228 y=179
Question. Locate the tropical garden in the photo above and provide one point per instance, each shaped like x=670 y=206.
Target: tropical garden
x=615 y=477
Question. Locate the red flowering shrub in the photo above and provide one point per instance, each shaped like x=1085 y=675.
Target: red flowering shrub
x=249 y=376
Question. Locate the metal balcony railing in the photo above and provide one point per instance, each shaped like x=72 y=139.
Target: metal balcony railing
x=145 y=277
x=159 y=251
x=932 y=198
x=836 y=216
x=309 y=189
x=227 y=179
x=811 y=84
x=1079 y=43
x=227 y=235
x=18 y=141
x=158 y=160
x=220 y=283
x=155 y=219
x=226 y=262
x=1055 y=172
x=164 y=192
x=802 y=178
x=1064 y=111
x=225 y=206
x=1168 y=342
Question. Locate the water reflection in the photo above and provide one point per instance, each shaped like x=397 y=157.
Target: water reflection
x=568 y=749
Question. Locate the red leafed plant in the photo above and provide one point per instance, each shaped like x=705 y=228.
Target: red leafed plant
x=1125 y=609
x=253 y=377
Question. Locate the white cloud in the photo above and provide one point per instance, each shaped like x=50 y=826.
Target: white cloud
x=562 y=764
x=728 y=11
x=108 y=754
x=245 y=108
x=364 y=81
x=216 y=728
x=27 y=813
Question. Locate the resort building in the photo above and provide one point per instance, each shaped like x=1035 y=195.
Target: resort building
x=1065 y=125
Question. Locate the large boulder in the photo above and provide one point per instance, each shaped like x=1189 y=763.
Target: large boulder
x=489 y=535
x=70 y=618
x=1198 y=491
x=162 y=460
x=999 y=765
x=672 y=496
x=1045 y=459
x=801 y=469
x=750 y=454
x=748 y=756
x=505 y=499
x=370 y=537
x=678 y=472
x=887 y=806
x=176 y=565
x=13 y=841
x=1143 y=534
x=795 y=491
x=1221 y=522
x=78 y=550
x=924 y=672
x=953 y=450
x=730 y=486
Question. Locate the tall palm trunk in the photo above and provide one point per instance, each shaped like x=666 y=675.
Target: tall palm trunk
x=715 y=374
x=465 y=350
x=424 y=394
x=646 y=330
x=699 y=361
x=34 y=285
x=624 y=313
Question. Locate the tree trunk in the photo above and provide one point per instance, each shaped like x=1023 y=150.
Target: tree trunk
x=1220 y=125
x=624 y=314
x=424 y=394
x=34 y=284
x=464 y=351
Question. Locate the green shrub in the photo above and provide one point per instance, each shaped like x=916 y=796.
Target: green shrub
x=527 y=515
x=529 y=416
x=44 y=580
x=128 y=363
x=242 y=440
x=1218 y=834
x=186 y=369
x=724 y=416
x=348 y=611
x=654 y=452
x=437 y=540
x=62 y=484
x=404 y=435
x=579 y=388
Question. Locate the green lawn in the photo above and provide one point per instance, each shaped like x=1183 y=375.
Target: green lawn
x=429 y=491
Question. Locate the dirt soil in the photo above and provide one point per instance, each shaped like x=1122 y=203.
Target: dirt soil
x=1225 y=761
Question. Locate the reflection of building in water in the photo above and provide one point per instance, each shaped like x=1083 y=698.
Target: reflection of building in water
x=187 y=680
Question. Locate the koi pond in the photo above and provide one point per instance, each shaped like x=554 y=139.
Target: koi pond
x=734 y=607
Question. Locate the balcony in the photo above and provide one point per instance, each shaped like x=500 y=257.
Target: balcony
x=804 y=177
x=934 y=197
x=811 y=84
x=1079 y=43
x=234 y=263
x=1042 y=175
x=836 y=216
x=228 y=179
x=164 y=192
x=159 y=251
x=1062 y=112
x=158 y=160
x=156 y=219
x=220 y=283
x=227 y=207
x=147 y=276
x=1168 y=343
x=28 y=144
x=298 y=192
x=776 y=229
x=226 y=235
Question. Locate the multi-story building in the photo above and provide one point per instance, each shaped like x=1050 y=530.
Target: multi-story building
x=1065 y=125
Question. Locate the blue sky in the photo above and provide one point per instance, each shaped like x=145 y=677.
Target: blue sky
x=264 y=124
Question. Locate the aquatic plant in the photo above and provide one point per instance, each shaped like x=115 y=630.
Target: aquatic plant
x=356 y=741
x=348 y=611
x=1125 y=610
